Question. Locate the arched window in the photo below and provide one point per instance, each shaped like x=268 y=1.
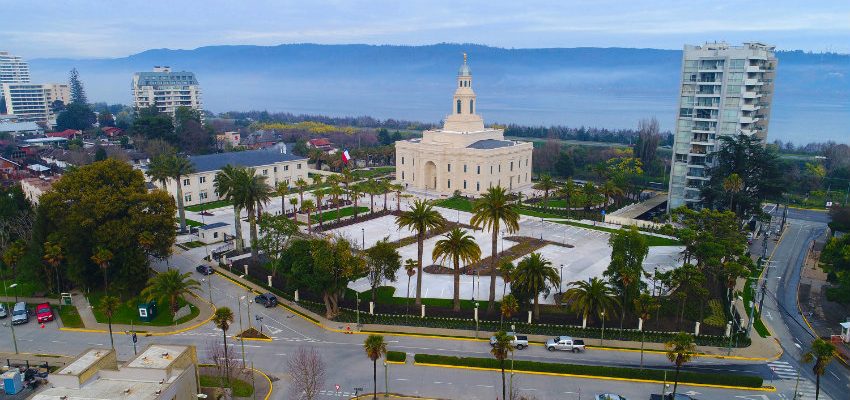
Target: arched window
x=471 y=105
x=458 y=106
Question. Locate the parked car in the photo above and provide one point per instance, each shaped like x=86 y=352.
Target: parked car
x=518 y=341
x=565 y=343
x=669 y=396
x=266 y=299
x=20 y=314
x=609 y=396
x=750 y=237
x=205 y=269
x=3 y=312
x=44 y=313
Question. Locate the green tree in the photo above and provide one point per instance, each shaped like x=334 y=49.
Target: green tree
x=489 y=212
x=680 y=350
x=53 y=257
x=564 y=166
x=536 y=273
x=457 y=246
x=13 y=255
x=589 y=191
x=164 y=167
x=628 y=251
x=336 y=192
x=152 y=124
x=323 y=267
x=375 y=348
x=227 y=188
x=409 y=267
x=733 y=184
x=170 y=287
x=108 y=305
x=591 y=297
x=282 y=189
x=610 y=190
x=645 y=304
x=301 y=184
x=506 y=271
x=382 y=263
x=275 y=233
x=222 y=319
x=102 y=257
x=78 y=93
x=107 y=205
x=509 y=307
x=420 y=218
x=307 y=207
x=319 y=194
x=355 y=191
x=546 y=184
x=822 y=353
x=252 y=191
x=77 y=116
x=502 y=348
x=105 y=119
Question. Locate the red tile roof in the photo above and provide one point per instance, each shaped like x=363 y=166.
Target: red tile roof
x=67 y=134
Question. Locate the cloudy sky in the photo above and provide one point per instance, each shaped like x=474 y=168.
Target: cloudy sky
x=95 y=28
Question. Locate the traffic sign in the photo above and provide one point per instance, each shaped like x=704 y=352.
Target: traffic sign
x=337 y=388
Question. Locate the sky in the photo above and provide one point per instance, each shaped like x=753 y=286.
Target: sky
x=98 y=29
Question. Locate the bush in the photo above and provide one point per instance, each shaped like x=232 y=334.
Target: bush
x=396 y=356
x=597 y=370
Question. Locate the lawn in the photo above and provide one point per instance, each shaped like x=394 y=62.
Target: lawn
x=371 y=173
x=240 y=387
x=70 y=317
x=456 y=203
x=192 y=223
x=386 y=295
x=343 y=212
x=193 y=244
x=128 y=313
x=209 y=206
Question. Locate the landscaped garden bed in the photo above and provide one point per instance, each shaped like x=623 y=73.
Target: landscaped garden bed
x=252 y=333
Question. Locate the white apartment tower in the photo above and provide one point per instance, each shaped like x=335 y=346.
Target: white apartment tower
x=726 y=90
x=166 y=90
x=13 y=69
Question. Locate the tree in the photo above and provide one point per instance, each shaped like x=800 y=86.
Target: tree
x=509 y=307
x=546 y=184
x=222 y=319
x=420 y=218
x=822 y=353
x=226 y=183
x=628 y=250
x=165 y=167
x=506 y=270
x=535 y=274
x=647 y=141
x=645 y=304
x=251 y=191
x=589 y=191
x=569 y=191
x=335 y=191
x=319 y=194
x=307 y=207
x=501 y=349
x=170 y=286
x=489 y=212
x=108 y=305
x=354 y=193
x=409 y=267
x=53 y=257
x=564 y=167
x=77 y=116
x=194 y=138
x=301 y=184
x=275 y=233
x=78 y=94
x=102 y=257
x=307 y=373
x=457 y=246
x=13 y=255
x=149 y=123
x=105 y=119
x=323 y=267
x=107 y=205
x=100 y=154
x=733 y=185
x=611 y=191
x=397 y=188
x=282 y=189
x=184 y=114
x=382 y=263
x=591 y=297
x=680 y=349
x=375 y=348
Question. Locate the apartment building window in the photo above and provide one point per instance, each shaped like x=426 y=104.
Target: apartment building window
x=512 y=165
x=265 y=171
x=186 y=182
x=681 y=157
x=202 y=195
x=450 y=167
x=402 y=160
x=736 y=64
x=733 y=89
x=202 y=179
x=402 y=174
x=478 y=169
x=526 y=162
x=477 y=186
x=464 y=183
x=491 y=170
x=274 y=169
x=500 y=167
x=449 y=182
x=187 y=197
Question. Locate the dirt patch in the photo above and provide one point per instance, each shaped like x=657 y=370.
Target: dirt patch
x=433 y=232
x=524 y=245
x=252 y=333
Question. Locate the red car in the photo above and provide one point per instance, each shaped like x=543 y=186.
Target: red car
x=43 y=312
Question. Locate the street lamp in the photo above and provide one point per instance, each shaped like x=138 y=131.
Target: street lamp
x=602 y=338
x=242 y=335
x=209 y=287
x=6 y=290
x=363 y=236
x=560 y=284
x=476 y=320
x=386 y=381
x=358 y=308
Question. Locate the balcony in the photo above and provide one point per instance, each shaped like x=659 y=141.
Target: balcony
x=750 y=107
x=748 y=120
x=751 y=95
x=754 y=68
x=752 y=82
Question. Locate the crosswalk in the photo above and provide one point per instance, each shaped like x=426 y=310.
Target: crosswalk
x=332 y=393
x=804 y=387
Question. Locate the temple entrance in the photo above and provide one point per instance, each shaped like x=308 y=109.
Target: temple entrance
x=430 y=175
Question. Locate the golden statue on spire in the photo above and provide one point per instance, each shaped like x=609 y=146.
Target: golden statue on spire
x=464 y=57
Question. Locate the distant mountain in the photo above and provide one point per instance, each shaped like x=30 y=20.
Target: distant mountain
x=605 y=87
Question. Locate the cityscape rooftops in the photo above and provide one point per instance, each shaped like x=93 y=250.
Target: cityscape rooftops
x=250 y=158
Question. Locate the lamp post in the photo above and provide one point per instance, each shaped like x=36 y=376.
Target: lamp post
x=358 y=307
x=561 y=283
x=363 y=238
x=476 y=320
x=654 y=278
x=209 y=287
x=241 y=337
x=386 y=380
x=602 y=338
x=6 y=290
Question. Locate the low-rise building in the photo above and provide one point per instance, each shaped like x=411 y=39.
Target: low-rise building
x=21 y=129
x=321 y=144
x=231 y=139
x=160 y=372
x=34 y=188
x=213 y=233
x=276 y=164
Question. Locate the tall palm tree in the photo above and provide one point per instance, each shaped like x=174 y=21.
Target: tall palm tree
x=222 y=318
x=410 y=268
x=397 y=188
x=385 y=188
x=534 y=273
x=252 y=191
x=375 y=348
x=610 y=191
x=307 y=206
x=171 y=166
x=644 y=305
x=225 y=183
x=733 y=184
x=294 y=202
x=317 y=180
x=102 y=257
x=489 y=212
x=509 y=307
x=170 y=286
x=108 y=305
x=282 y=189
x=591 y=297
x=680 y=350
x=569 y=191
x=546 y=184
x=822 y=353
x=320 y=195
x=371 y=187
x=458 y=246
x=420 y=218
x=301 y=184
x=354 y=192
x=501 y=349
x=53 y=256
x=335 y=191
x=589 y=191
x=506 y=270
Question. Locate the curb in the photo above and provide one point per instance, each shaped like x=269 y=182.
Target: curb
x=271 y=385
x=608 y=378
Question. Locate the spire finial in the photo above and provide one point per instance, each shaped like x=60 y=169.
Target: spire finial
x=464 y=57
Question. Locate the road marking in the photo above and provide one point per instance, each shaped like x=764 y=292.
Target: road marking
x=486 y=386
x=402 y=379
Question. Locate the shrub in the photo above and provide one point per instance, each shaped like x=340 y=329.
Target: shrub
x=396 y=356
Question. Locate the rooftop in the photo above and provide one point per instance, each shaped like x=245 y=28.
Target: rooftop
x=488 y=144
x=83 y=362
x=166 y=78
x=213 y=226
x=250 y=158
x=18 y=126
x=156 y=356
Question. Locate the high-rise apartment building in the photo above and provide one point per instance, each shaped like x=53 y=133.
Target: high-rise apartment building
x=13 y=69
x=33 y=102
x=726 y=90
x=166 y=90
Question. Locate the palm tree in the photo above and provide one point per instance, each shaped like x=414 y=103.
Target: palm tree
x=506 y=270
x=510 y=306
x=385 y=187
x=680 y=350
x=225 y=184
x=108 y=305
x=170 y=166
x=282 y=189
x=733 y=184
x=170 y=286
x=317 y=181
x=534 y=273
x=336 y=192
x=822 y=353
x=371 y=188
x=610 y=190
x=569 y=191
x=591 y=297
x=545 y=183
x=457 y=246
x=410 y=268
x=421 y=217
x=589 y=191
x=307 y=206
x=102 y=257
x=501 y=349
x=644 y=305
x=13 y=254
x=375 y=347
x=301 y=184
x=251 y=192
x=53 y=256
x=489 y=212
x=294 y=202
x=397 y=188
x=222 y=318
x=320 y=195
x=354 y=193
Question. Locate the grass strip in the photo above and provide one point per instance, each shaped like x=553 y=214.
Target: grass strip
x=70 y=317
x=209 y=206
x=240 y=387
x=736 y=380
x=396 y=356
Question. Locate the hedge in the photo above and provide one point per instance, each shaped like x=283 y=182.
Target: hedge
x=597 y=370
x=396 y=356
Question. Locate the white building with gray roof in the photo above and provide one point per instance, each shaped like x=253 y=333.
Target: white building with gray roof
x=167 y=90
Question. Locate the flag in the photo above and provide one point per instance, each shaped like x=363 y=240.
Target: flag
x=345 y=156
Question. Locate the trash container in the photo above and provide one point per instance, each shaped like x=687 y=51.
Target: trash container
x=13 y=382
x=147 y=311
